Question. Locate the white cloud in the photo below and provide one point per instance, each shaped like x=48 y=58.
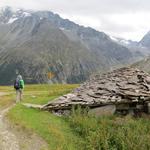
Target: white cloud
x=124 y=18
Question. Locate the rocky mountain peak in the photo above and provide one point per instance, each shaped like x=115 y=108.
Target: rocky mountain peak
x=146 y=40
x=8 y=15
x=43 y=37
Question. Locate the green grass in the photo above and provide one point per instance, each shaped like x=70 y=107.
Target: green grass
x=54 y=130
x=9 y=98
x=41 y=94
x=6 y=101
x=6 y=88
x=80 y=131
x=111 y=132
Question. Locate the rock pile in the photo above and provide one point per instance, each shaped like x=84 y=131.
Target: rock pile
x=122 y=86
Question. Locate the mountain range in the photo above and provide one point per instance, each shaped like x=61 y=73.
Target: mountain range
x=139 y=49
x=144 y=64
x=44 y=47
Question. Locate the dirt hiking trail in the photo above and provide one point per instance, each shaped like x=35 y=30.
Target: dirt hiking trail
x=13 y=138
x=8 y=140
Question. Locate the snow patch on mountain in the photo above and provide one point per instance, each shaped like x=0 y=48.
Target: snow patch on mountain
x=62 y=29
x=9 y=15
x=125 y=42
x=120 y=40
x=26 y=14
x=11 y=20
x=114 y=39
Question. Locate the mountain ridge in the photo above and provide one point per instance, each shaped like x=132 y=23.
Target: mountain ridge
x=39 y=42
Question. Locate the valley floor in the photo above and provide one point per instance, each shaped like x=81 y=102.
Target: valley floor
x=29 y=129
x=13 y=139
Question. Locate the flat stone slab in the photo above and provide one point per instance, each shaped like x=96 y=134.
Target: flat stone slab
x=103 y=110
x=32 y=105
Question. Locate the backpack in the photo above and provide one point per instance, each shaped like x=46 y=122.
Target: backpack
x=21 y=82
x=17 y=84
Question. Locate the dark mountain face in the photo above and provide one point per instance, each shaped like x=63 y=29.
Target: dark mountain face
x=97 y=42
x=138 y=50
x=145 y=63
x=146 y=40
x=41 y=48
x=44 y=47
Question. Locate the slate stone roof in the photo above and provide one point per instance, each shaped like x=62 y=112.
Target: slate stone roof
x=125 y=85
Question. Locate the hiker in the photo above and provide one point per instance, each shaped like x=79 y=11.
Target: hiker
x=19 y=86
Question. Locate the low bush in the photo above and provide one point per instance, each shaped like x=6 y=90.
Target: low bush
x=110 y=132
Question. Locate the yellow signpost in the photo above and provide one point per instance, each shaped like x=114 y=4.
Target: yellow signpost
x=50 y=75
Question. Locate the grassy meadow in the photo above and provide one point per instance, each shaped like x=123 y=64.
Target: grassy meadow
x=80 y=131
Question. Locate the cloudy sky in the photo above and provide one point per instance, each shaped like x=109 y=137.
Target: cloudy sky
x=129 y=19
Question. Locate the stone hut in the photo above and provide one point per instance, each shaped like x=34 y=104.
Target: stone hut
x=125 y=90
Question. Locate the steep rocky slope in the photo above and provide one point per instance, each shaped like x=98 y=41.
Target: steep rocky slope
x=146 y=40
x=40 y=43
x=145 y=63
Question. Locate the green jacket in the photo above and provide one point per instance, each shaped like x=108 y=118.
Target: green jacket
x=21 y=84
